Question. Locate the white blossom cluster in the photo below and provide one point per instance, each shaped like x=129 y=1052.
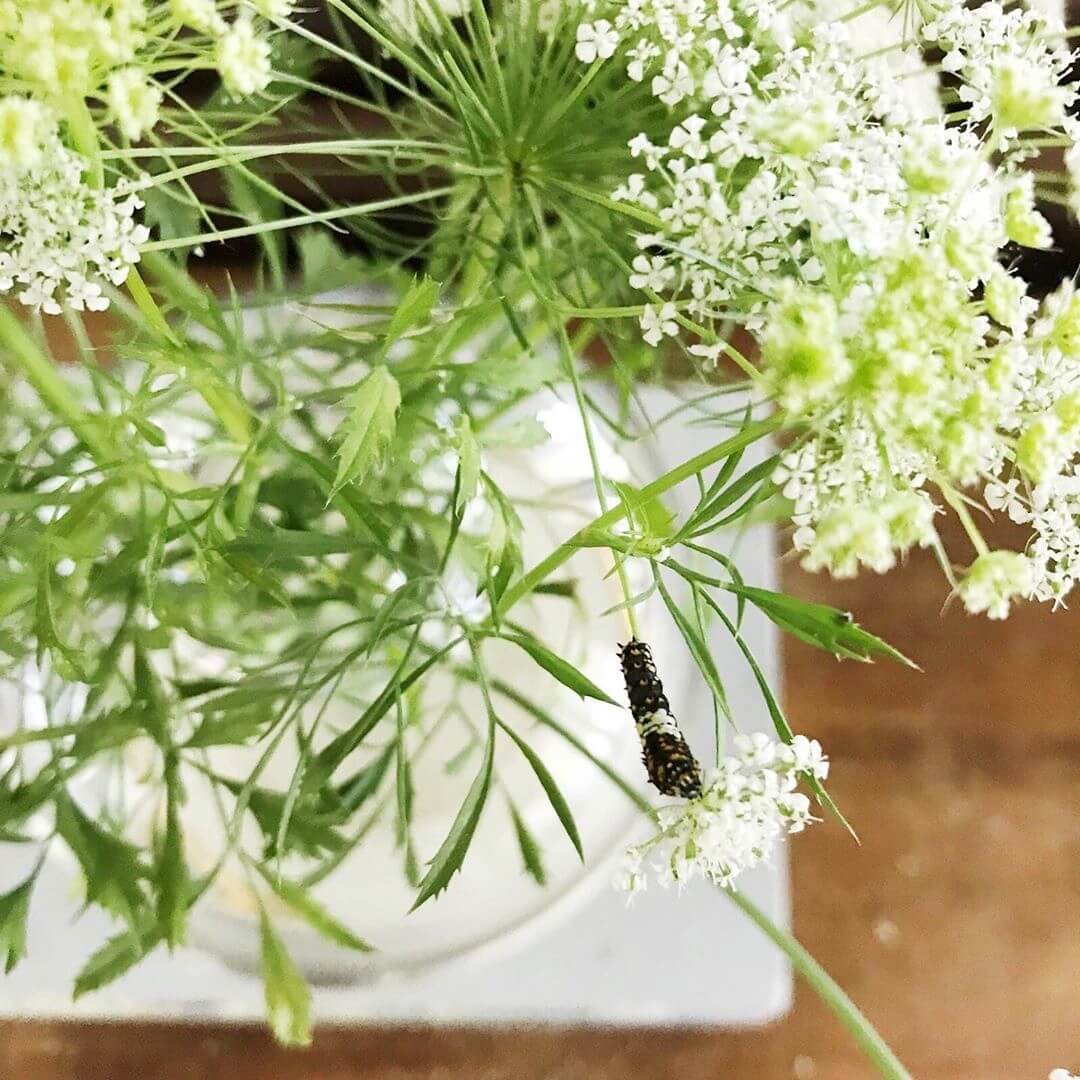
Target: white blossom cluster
x=64 y=51
x=858 y=232
x=61 y=238
x=748 y=804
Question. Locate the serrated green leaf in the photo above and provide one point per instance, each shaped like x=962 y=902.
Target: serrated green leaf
x=530 y=850
x=109 y=864
x=48 y=637
x=107 y=731
x=776 y=714
x=14 y=910
x=551 y=789
x=451 y=854
x=415 y=308
x=368 y=428
x=169 y=217
x=753 y=485
x=154 y=711
x=288 y=997
x=271 y=545
x=468 y=461
x=341 y=746
x=260 y=577
x=323 y=265
x=559 y=668
x=650 y=515
x=350 y=795
x=230 y=728
x=115 y=958
x=301 y=901
x=825 y=627
x=307 y=831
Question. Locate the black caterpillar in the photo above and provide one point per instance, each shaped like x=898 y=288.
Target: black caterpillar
x=672 y=768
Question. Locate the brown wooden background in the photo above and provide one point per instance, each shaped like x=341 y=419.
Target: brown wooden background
x=956 y=925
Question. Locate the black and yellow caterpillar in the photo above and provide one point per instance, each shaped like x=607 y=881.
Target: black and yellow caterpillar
x=672 y=768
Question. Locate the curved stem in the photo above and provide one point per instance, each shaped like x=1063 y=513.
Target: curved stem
x=843 y=1008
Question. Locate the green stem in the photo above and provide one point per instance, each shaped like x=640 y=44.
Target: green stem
x=145 y=302
x=843 y=1008
x=20 y=350
x=84 y=135
x=749 y=434
x=26 y=738
x=598 y=479
x=963 y=515
x=497 y=194
x=313 y=218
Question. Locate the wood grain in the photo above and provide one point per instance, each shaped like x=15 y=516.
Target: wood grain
x=956 y=924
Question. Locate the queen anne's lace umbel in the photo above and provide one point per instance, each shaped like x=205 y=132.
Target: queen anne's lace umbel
x=859 y=231
x=62 y=240
x=747 y=806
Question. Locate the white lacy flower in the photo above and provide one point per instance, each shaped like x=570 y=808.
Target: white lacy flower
x=199 y=15
x=1062 y=1074
x=135 y=101
x=655 y=324
x=66 y=48
x=1010 y=62
x=25 y=127
x=993 y=580
x=596 y=41
x=860 y=237
x=748 y=804
x=1004 y=495
x=61 y=239
x=243 y=59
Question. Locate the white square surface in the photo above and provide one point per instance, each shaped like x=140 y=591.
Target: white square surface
x=668 y=960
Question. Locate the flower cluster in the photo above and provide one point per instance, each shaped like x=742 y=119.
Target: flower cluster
x=748 y=804
x=859 y=233
x=64 y=51
x=65 y=233
x=62 y=239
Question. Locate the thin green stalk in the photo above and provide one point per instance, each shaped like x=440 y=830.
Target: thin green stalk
x=498 y=196
x=21 y=351
x=963 y=515
x=749 y=434
x=84 y=135
x=314 y=218
x=843 y=1008
x=36 y=735
x=145 y=302
x=598 y=479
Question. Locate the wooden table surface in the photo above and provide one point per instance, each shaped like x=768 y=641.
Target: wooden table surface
x=956 y=925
